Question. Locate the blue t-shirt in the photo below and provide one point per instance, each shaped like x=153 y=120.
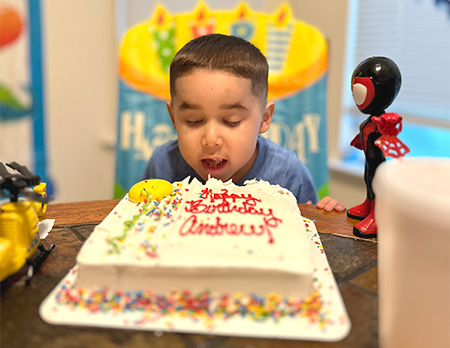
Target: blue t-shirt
x=275 y=164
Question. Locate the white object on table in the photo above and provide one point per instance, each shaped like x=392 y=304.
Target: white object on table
x=412 y=211
x=45 y=226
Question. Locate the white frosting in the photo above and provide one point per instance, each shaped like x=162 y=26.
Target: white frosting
x=218 y=236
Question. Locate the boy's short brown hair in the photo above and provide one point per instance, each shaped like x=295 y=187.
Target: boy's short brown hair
x=224 y=53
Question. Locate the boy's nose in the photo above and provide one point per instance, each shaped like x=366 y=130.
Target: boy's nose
x=211 y=136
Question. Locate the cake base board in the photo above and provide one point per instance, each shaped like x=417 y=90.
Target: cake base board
x=333 y=325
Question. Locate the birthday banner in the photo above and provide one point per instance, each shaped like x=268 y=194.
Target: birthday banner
x=22 y=126
x=298 y=62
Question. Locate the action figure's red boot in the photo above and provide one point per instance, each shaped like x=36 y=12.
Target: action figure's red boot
x=368 y=227
x=360 y=212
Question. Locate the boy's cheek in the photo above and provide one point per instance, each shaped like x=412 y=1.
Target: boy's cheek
x=186 y=141
x=184 y=131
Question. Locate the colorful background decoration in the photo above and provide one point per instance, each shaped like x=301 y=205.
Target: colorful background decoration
x=298 y=61
x=22 y=126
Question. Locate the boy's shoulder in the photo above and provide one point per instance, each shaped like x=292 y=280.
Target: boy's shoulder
x=277 y=161
x=274 y=161
x=170 y=146
x=163 y=161
x=281 y=166
x=272 y=151
x=168 y=152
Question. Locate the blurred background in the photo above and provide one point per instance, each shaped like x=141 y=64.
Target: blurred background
x=73 y=91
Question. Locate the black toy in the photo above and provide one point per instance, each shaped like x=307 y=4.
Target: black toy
x=376 y=82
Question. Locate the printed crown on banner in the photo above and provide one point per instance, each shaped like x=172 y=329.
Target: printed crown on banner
x=297 y=52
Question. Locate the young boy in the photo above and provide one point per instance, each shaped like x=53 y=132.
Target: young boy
x=219 y=108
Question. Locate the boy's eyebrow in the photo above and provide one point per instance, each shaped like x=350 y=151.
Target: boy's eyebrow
x=188 y=106
x=225 y=106
x=233 y=106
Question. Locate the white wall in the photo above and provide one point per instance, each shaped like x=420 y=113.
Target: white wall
x=80 y=55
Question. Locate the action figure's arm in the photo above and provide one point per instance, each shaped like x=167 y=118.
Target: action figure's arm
x=356 y=142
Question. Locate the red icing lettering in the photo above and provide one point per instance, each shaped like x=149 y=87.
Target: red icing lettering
x=218 y=228
x=225 y=203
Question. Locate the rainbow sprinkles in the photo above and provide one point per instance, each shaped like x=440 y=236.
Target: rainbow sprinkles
x=201 y=308
x=152 y=210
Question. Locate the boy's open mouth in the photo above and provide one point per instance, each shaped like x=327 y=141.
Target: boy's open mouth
x=213 y=165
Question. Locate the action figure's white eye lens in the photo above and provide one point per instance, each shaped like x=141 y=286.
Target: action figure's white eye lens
x=359 y=92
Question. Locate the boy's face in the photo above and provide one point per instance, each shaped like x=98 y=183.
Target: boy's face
x=218 y=120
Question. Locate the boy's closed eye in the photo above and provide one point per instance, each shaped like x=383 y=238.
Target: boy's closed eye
x=194 y=122
x=231 y=123
x=199 y=122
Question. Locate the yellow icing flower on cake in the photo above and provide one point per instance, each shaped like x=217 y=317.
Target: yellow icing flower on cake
x=147 y=190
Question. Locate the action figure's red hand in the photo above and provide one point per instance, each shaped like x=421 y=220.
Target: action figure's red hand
x=390 y=125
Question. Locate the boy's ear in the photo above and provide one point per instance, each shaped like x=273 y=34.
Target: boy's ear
x=267 y=117
x=170 y=109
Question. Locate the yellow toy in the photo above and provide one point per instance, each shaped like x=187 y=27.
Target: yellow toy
x=150 y=189
x=19 y=233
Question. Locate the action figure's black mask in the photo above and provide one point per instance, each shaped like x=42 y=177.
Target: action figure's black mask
x=382 y=81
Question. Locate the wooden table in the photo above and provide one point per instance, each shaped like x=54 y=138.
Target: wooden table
x=353 y=261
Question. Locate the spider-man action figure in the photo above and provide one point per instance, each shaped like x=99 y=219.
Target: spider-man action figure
x=375 y=83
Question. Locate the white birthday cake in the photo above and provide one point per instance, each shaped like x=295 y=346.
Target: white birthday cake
x=216 y=237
